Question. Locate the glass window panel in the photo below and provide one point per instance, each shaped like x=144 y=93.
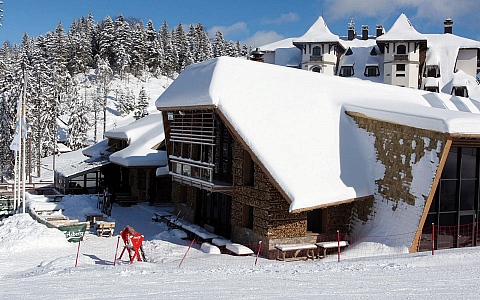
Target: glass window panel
x=467 y=194
x=468 y=164
x=447 y=195
x=196 y=172
x=450 y=169
x=449 y=219
x=187 y=170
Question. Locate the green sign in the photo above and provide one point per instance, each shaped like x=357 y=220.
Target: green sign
x=74 y=233
x=6 y=204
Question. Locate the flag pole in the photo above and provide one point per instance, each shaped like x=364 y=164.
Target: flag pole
x=22 y=138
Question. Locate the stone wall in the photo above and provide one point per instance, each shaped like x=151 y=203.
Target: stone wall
x=271 y=217
x=399 y=148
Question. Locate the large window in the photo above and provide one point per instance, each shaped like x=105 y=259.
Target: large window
x=401 y=49
x=455 y=206
x=317 y=51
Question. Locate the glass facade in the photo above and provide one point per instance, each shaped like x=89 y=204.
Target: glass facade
x=455 y=205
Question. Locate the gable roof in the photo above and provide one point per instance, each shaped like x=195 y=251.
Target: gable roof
x=318 y=33
x=402 y=30
x=294 y=122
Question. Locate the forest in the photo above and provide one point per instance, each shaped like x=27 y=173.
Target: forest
x=56 y=69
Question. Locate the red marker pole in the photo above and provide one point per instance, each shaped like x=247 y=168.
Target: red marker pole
x=186 y=252
x=338 y=240
x=116 y=252
x=433 y=238
x=258 y=252
x=78 y=250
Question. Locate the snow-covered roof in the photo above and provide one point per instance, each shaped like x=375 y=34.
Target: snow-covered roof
x=317 y=33
x=98 y=149
x=294 y=122
x=73 y=164
x=360 y=58
x=285 y=43
x=142 y=136
x=402 y=30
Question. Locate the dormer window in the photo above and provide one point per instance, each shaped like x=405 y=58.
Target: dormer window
x=346 y=71
x=371 y=71
x=401 y=49
x=460 y=91
x=433 y=71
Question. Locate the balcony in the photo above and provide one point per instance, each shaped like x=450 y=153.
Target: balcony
x=400 y=57
x=316 y=58
x=197 y=174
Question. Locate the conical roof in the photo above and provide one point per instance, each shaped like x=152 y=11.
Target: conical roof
x=318 y=33
x=402 y=30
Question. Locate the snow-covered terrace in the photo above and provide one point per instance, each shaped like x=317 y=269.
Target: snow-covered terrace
x=294 y=122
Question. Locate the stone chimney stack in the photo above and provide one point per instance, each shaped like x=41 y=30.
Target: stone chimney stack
x=351 y=32
x=364 y=32
x=448 y=26
x=380 y=30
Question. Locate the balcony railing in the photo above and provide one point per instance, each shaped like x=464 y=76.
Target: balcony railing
x=314 y=58
x=400 y=57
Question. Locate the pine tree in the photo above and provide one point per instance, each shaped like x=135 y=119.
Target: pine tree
x=104 y=76
x=78 y=124
x=170 y=58
x=142 y=105
x=154 y=50
x=184 y=54
x=138 y=50
x=122 y=43
x=219 y=45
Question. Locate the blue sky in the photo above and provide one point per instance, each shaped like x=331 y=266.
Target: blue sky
x=253 y=22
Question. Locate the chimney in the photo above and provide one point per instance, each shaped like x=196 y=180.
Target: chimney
x=257 y=55
x=351 y=32
x=448 y=25
x=364 y=32
x=380 y=30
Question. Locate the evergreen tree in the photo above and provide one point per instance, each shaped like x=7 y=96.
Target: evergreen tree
x=78 y=124
x=142 y=105
x=104 y=76
x=219 y=45
x=122 y=43
x=154 y=51
x=170 y=58
x=184 y=54
x=138 y=50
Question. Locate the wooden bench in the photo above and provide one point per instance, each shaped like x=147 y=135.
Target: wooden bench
x=238 y=249
x=160 y=216
x=295 y=249
x=104 y=228
x=329 y=245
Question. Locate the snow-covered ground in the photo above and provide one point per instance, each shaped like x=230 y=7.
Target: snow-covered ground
x=37 y=262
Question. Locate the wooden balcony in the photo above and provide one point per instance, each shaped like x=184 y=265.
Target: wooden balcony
x=315 y=58
x=401 y=57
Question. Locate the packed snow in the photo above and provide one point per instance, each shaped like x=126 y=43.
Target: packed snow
x=38 y=262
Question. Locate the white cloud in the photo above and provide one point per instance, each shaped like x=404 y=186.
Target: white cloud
x=261 y=38
x=284 y=18
x=237 y=28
